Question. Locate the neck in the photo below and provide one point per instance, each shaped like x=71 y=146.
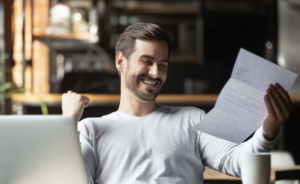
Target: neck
x=130 y=104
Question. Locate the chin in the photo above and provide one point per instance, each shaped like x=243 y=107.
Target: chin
x=147 y=96
x=144 y=88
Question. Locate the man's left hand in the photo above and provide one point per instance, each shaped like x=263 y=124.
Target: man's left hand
x=279 y=108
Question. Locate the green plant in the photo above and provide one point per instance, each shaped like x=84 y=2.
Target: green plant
x=7 y=89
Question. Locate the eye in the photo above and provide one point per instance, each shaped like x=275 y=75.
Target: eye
x=163 y=66
x=147 y=62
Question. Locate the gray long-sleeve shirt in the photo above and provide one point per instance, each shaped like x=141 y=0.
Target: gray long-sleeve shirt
x=160 y=148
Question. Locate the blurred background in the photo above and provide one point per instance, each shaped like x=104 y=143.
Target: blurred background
x=48 y=47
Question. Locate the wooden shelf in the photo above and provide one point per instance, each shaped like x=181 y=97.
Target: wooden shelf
x=114 y=99
x=71 y=36
x=156 y=8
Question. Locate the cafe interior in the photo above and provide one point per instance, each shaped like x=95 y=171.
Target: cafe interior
x=48 y=47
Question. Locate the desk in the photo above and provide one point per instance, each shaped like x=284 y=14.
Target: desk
x=277 y=173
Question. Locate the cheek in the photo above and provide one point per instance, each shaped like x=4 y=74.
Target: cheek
x=131 y=70
x=138 y=68
x=164 y=74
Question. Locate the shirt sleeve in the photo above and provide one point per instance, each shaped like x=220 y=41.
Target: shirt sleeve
x=224 y=156
x=87 y=150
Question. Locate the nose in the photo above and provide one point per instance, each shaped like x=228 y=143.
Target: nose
x=153 y=71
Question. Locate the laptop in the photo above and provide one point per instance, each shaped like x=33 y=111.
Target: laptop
x=40 y=150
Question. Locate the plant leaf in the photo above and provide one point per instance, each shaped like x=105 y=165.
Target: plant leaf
x=5 y=86
x=10 y=93
x=44 y=108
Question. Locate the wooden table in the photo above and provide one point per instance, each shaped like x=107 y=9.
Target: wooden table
x=277 y=173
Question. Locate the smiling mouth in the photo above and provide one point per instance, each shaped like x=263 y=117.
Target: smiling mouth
x=149 y=83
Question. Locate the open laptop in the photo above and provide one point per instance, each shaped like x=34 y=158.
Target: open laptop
x=40 y=150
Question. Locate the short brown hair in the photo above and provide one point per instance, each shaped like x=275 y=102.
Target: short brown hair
x=143 y=31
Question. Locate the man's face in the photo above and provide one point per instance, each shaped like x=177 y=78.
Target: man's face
x=146 y=69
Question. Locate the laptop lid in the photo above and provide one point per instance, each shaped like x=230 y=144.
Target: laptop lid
x=40 y=150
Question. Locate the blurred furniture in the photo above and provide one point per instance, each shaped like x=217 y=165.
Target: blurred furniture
x=277 y=173
x=227 y=26
x=282 y=158
x=288 y=38
x=34 y=46
x=101 y=104
x=18 y=47
x=113 y=99
x=182 y=18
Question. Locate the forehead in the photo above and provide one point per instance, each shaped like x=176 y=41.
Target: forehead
x=158 y=49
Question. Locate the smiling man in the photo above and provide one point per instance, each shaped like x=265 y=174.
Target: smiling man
x=146 y=143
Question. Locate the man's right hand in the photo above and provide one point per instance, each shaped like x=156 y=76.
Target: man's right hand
x=73 y=104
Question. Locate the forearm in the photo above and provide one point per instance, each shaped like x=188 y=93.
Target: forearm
x=225 y=156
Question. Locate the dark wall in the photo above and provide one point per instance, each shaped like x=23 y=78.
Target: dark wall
x=292 y=135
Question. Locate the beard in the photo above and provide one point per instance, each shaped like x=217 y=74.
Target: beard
x=132 y=84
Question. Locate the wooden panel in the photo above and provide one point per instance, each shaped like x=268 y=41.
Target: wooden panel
x=114 y=99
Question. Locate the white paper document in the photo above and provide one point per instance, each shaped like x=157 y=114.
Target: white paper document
x=240 y=108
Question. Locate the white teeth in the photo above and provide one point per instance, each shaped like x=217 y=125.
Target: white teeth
x=150 y=83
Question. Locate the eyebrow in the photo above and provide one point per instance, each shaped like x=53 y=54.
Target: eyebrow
x=152 y=58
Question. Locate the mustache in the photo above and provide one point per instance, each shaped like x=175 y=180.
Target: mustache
x=150 y=78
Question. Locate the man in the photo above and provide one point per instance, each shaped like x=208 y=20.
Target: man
x=145 y=143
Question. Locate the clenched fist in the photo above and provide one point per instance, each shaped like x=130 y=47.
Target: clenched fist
x=73 y=104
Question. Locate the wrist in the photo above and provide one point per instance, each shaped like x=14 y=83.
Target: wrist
x=270 y=136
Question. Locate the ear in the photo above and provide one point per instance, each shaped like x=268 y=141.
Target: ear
x=120 y=62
